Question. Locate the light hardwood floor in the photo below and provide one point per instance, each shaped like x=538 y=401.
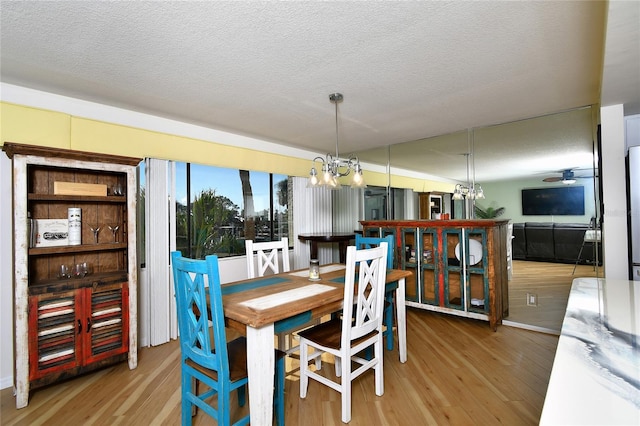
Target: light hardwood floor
x=551 y=283
x=459 y=372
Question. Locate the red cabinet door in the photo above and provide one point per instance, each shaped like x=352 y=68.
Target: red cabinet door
x=77 y=327
x=55 y=333
x=107 y=321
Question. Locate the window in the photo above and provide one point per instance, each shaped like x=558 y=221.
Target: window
x=217 y=209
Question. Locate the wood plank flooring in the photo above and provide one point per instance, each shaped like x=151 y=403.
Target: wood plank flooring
x=459 y=372
x=551 y=283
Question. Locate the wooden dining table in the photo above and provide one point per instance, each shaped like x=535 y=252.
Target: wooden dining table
x=261 y=307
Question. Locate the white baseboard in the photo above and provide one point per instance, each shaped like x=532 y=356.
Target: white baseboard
x=530 y=327
x=6 y=382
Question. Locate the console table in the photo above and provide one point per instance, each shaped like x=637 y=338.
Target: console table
x=341 y=238
x=459 y=266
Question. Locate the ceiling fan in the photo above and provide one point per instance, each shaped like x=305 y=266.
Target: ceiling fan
x=568 y=177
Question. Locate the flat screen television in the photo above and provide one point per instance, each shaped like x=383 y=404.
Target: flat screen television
x=557 y=201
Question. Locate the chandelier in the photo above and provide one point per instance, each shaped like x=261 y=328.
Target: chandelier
x=474 y=192
x=471 y=191
x=334 y=167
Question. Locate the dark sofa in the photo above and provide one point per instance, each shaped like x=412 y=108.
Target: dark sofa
x=553 y=242
x=540 y=240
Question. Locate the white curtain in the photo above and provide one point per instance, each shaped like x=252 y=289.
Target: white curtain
x=312 y=213
x=157 y=293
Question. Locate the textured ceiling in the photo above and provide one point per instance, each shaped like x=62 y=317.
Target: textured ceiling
x=408 y=70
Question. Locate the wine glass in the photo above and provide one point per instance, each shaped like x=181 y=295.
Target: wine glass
x=95 y=229
x=117 y=189
x=64 y=272
x=80 y=270
x=114 y=230
x=87 y=268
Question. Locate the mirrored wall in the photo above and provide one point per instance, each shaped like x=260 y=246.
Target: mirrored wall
x=505 y=159
x=527 y=153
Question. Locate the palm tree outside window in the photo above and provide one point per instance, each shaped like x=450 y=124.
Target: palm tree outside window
x=218 y=208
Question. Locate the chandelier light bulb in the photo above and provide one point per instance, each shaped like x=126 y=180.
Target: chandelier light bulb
x=313 y=178
x=357 y=181
x=327 y=178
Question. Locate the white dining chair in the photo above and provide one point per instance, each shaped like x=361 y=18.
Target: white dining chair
x=266 y=254
x=262 y=259
x=359 y=328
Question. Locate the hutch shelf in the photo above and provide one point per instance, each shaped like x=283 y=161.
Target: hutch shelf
x=75 y=321
x=459 y=266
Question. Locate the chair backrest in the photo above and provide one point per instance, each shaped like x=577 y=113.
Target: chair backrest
x=267 y=256
x=194 y=313
x=363 y=302
x=370 y=242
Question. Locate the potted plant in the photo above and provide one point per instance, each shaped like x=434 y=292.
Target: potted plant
x=488 y=213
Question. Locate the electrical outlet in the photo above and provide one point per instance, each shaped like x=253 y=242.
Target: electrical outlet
x=532 y=299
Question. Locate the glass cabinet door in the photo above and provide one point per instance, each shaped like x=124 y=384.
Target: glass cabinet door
x=428 y=249
x=409 y=262
x=453 y=268
x=477 y=271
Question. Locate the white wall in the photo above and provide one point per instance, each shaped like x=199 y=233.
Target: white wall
x=614 y=236
x=6 y=274
x=632 y=130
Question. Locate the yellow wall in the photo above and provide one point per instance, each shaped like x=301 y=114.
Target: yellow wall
x=35 y=126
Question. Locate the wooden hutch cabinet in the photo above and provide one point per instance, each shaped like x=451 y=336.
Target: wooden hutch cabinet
x=71 y=323
x=459 y=266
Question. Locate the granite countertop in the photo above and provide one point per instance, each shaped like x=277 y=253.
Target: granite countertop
x=595 y=378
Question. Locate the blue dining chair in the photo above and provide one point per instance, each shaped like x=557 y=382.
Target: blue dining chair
x=206 y=356
x=370 y=242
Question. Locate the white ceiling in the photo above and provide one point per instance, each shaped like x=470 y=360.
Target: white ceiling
x=408 y=70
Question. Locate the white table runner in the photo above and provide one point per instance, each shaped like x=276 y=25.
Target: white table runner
x=266 y=302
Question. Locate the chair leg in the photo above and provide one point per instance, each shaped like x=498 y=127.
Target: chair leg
x=378 y=369
x=279 y=392
x=242 y=395
x=304 y=366
x=224 y=404
x=578 y=259
x=338 y=366
x=283 y=342
x=188 y=409
x=316 y=357
x=346 y=390
x=195 y=383
x=388 y=320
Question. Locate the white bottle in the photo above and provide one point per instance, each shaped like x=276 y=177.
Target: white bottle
x=75 y=226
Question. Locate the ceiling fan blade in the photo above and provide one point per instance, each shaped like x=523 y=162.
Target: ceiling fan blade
x=552 y=179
